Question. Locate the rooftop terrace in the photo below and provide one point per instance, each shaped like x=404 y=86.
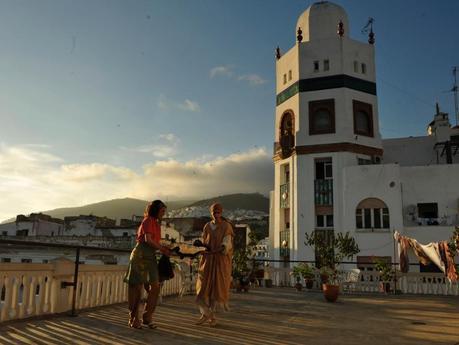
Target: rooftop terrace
x=262 y=316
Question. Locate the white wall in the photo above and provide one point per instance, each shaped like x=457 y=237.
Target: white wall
x=81 y=227
x=45 y=228
x=9 y=228
x=439 y=183
x=372 y=181
x=288 y=62
x=38 y=227
x=304 y=209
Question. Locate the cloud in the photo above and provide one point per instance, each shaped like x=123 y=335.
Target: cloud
x=223 y=71
x=44 y=181
x=166 y=146
x=252 y=79
x=93 y=171
x=187 y=105
x=226 y=71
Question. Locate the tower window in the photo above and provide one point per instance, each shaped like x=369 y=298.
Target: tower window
x=322 y=116
x=324 y=221
x=364 y=68
x=290 y=75
x=285 y=78
x=363 y=118
x=324 y=169
x=356 y=67
x=286 y=135
x=326 y=65
x=316 y=66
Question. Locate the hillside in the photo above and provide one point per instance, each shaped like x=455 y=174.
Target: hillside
x=114 y=209
x=125 y=208
x=253 y=201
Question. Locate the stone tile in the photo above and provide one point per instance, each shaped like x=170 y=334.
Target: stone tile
x=262 y=316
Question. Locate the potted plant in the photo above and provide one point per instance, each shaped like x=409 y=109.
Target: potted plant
x=330 y=252
x=241 y=270
x=386 y=275
x=297 y=275
x=325 y=272
x=303 y=270
x=308 y=275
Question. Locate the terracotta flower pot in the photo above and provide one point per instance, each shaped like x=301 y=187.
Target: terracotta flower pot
x=331 y=292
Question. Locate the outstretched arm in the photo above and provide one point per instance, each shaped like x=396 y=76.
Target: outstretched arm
x=163 y=249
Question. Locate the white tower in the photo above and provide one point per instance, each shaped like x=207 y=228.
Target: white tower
x=326 y=119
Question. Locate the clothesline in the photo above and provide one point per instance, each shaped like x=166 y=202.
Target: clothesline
x=436 y=252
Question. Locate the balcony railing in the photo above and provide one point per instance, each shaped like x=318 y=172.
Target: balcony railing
x=30 y=289
x=323 y=192
x=284 y=249
x=422 y=283
x=284 y=196
x=39 y=289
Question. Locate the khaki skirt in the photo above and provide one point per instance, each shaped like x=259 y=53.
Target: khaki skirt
x=143 y=267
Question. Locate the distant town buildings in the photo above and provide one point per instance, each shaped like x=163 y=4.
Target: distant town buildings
x=101 y=232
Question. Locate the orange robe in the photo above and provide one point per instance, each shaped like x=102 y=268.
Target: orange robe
x=214 y=273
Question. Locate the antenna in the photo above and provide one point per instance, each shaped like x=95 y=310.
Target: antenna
x=368 y=28
x=454 y=91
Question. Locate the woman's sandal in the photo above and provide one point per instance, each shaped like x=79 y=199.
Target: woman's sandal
x=202 y=320
x=135 y=325
x=151 y=325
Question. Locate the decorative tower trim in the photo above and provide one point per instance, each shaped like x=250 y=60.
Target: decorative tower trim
x=299 y=36
x=278 y=53
x=340 y=30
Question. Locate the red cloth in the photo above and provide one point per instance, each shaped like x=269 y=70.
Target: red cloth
x=450 y=267
x=151 y=226
x=404 y=261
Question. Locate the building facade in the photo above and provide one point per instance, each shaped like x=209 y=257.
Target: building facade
x=333 y=171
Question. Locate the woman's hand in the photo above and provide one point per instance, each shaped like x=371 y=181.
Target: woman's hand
x=165 y=251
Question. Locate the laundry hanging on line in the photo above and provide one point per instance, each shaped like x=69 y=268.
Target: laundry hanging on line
x=435 y=252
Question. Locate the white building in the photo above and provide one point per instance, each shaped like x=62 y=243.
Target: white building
x=261 y=249
x=333 y=172
x=37 y=224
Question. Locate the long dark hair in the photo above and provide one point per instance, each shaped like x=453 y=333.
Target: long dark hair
x=153 y=208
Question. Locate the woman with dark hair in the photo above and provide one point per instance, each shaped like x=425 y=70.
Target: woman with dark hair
x=143 y=268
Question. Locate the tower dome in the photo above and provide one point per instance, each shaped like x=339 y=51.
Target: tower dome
x=320 y=21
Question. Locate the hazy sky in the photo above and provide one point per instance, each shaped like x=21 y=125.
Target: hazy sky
x=175 y=99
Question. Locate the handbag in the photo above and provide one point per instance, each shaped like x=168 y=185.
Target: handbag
x=165 y=269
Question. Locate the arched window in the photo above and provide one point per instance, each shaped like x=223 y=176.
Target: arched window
x=322 y=116
x=363 y=118
x=287 y=133
x=372 y=213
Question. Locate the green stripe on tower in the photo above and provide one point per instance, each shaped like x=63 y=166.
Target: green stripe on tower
x=326 y=83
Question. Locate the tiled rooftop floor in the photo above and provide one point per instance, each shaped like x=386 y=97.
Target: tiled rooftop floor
x=262 y=316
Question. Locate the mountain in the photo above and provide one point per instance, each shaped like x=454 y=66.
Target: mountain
x=125 y=208
x=114 y=209
x=253 y=201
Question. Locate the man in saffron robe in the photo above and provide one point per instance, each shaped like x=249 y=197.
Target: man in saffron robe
x=214 y=273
